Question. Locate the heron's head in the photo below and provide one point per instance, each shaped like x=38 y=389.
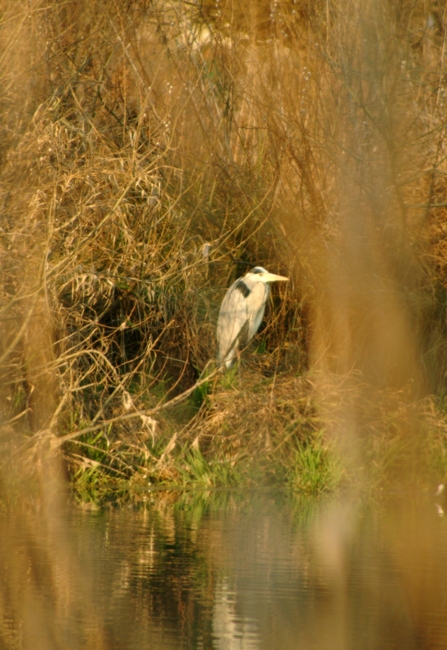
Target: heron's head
x=259 y=274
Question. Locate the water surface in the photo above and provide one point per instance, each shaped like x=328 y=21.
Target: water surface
x=226 y=572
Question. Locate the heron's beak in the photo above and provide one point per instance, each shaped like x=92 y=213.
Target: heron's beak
x=271 y=277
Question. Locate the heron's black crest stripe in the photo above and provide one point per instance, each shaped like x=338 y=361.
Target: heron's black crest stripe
x=257 y=269
x=242 y=287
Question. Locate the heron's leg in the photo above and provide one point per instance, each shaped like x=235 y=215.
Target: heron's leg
x=239 y=365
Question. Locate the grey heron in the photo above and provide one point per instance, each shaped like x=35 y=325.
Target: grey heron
x=242 y=311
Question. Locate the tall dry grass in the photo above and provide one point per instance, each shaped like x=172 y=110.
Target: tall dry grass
x=152 y=151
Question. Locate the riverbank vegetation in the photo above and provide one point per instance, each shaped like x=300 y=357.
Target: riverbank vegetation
x=154 y=151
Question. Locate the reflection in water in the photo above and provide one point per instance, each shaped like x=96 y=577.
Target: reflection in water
x=231 y=632
x=260 y=573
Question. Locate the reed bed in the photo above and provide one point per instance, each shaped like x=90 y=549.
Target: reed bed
x=151 y=153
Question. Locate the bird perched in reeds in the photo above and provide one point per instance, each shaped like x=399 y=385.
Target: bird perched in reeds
x=242 y=311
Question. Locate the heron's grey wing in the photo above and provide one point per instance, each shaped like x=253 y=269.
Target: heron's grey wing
x=232 y=318
x=256 y=302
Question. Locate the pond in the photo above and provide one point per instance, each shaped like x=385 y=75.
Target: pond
x=228 y=571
